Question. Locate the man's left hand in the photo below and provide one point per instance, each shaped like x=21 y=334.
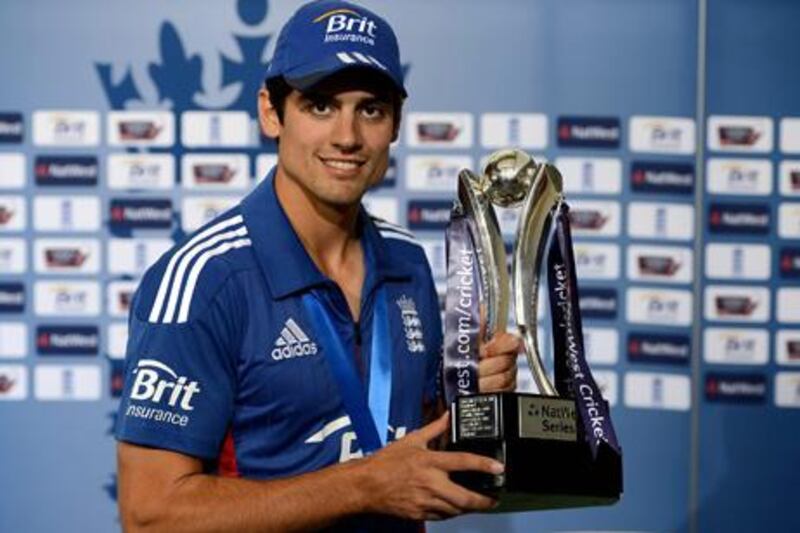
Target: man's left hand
x=497 y=370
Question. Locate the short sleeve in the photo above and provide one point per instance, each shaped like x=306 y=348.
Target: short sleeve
x=180 y=379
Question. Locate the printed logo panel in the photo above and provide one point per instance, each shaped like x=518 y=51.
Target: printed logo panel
x=215 y=171
x=12 y=298
x=216 y=128
x=147 y=398
x=134 y=256
x=199 y=210
x=116 y=379
x=67 y=382
x=66 y=170
x=602 y=346
x=667 y=264
x=141 y=128
x=66 y=213
x=594 y=218
x=662 y=135
x=590 y=175
x=787 y=347
x=739 y=176
x=435 y=173
x=439 y=130
x=790 y=262
x=789 y=220
x=67 y=256
x=384 y=208
x=66 y=298
x=66 y=128
x=740 y=134
x=525 y=130
x=588 y=132
x=648 y=390
x=12 y=213
x=13 y=340
x=736 y=346
x=119 y=296
x=13 y=256
x=787 y=389
x=13 y=382
x=13 y=176
x=660 y=221
x=117 y=340
x=435 y=253
x=789 y=178
x=12 y=128
x=663 y=307
x=596 y=261
x=726 y=387
x=428 y=214
x=599 y=303
x=738 y=261
x=662 y=178
x=659 y=348
x=733 y=303
x=740 y=219
x=128 y=214
x=789 y=305
x=790 y=135
x=141 y=172
x=67 y=340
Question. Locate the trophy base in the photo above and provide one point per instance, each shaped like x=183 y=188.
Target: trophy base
x=536 y=438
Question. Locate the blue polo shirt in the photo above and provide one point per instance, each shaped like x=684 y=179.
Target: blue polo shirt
x=224 y=363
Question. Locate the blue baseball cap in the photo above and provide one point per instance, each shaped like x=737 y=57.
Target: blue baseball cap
x=327 y=36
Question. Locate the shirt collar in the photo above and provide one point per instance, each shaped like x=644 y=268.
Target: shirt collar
x=284 y=261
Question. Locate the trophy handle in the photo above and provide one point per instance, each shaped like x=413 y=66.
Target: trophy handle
x=490 y=251
x=532 y=230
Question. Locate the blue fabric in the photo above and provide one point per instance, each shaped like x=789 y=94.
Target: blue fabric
x=249 y=361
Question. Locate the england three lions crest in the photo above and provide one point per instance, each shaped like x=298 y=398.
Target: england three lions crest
x=412 y=325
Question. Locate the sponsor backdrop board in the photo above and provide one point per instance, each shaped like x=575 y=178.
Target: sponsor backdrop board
x=748 y=384
x=140 y=125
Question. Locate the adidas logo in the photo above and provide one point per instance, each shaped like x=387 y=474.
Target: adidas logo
x=293 y=343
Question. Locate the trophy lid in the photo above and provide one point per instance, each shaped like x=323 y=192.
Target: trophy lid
x=507 y=177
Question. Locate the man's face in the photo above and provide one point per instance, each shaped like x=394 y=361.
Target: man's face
x=334 y=141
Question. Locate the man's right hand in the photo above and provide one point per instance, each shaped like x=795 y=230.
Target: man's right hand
x=409 y=480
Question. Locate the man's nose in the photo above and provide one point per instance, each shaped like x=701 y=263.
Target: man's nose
x=347 y=132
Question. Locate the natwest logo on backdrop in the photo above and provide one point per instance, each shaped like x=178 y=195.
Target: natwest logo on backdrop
x=662 y=177
x=146 y=214
x=428 y=214
x=12 y=298
x=12 y=128
x=789 y=265
x=735 y=388
x=66 y=170
x=588 y=132
x=67 y=340
x=659 y=348
x=739 y=218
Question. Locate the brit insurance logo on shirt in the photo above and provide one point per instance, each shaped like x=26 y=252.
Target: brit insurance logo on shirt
x=735 y=303
x=140 y=171
x=435 y=172
x=66 y=298
x=66 y=128
x=12 y=128
x=12 y=213
x=141 y=128
x=160 y=394
x=740 y=134
x=662 y=177
x=659 y=348
x=588 y=132
x=439 y=130
x=66 y=213
x=215 y=171
x=66 y=170
x=748 y=177
x=662 y=135
x=736 y=346
x=661 y=307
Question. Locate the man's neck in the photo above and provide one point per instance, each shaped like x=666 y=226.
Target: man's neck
x=327 y=232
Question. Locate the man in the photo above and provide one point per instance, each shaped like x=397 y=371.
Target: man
x=274 y=352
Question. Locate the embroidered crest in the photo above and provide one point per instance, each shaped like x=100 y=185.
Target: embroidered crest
x=412 y=325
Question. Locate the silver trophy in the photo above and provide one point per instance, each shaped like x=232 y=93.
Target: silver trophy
x=583 y=465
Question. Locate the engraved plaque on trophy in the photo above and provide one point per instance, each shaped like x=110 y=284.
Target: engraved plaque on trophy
x=559 y=445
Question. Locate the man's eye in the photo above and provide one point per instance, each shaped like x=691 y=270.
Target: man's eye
x=320 y=108
x=373 y=111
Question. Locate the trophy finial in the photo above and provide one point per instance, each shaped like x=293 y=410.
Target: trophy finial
x=508 y=176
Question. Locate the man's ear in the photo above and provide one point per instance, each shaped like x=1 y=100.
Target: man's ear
x=268 y=115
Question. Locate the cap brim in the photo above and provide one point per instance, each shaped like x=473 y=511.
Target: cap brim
x=307 y=76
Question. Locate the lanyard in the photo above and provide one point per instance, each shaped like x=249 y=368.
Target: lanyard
x=368 y=410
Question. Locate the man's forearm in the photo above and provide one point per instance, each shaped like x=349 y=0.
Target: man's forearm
x=201 y=502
